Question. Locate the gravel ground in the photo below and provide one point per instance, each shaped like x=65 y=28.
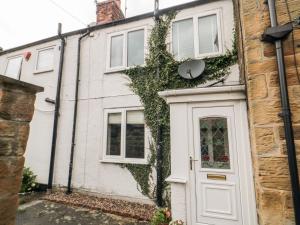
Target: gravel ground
x=137 y=211
x=49 y=213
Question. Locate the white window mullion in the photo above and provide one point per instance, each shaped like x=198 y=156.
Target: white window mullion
x=123 y=134
x=177 y=43
x=220 y=32
x=196 y=36
x=108 y=53
x=125 y=49
x=146 y=50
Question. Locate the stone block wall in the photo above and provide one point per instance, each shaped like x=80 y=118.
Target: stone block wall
x=16 y=111
x=272 y=181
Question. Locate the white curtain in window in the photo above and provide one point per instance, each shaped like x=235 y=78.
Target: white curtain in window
x=135 y=48
x=208 y=34
x=116 y=51
x=183 y=39
x=13 y=68
x=135 y=117
x=45 y=59
x=114 y=118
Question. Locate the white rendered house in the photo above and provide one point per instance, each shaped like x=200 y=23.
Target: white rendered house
x=205 y=188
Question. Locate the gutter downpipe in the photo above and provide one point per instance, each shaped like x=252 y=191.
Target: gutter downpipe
x=286 y=116
x=69 y=189
x=159 y=150
x=57 y=107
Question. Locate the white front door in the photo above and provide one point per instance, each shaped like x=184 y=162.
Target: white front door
x=216 y=192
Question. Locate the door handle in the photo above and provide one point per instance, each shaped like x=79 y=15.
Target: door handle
x=191 y=162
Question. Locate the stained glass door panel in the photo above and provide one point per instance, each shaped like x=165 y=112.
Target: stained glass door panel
x=214 y=143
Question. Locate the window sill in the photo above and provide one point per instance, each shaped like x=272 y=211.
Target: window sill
x=125 y=161
x=178 y=180
x=202 y=56
x=43 y=71
x=121 y=70
x=210 y=55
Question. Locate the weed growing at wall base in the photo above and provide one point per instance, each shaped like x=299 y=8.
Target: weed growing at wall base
x=28 y=181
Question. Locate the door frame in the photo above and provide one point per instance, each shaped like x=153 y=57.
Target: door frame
x=181 y=101
x=247 y=196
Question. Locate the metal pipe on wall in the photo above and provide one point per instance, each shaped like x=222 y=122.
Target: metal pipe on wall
x=69 y=188
x=286 y=116
x=57 y=107
x=159 y=147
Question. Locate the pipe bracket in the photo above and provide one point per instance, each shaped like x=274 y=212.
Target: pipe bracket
x=273 y=34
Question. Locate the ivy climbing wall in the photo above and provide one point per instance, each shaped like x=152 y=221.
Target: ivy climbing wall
x=146 y=83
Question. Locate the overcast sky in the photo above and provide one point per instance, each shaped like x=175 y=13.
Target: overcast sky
x=24 y=21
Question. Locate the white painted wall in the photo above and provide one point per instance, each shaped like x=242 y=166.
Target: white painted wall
x=97 y=91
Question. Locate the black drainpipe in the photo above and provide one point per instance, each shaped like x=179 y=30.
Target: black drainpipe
x=57 y=106
x=276 y=34
x=69 y=189
x=159 y=134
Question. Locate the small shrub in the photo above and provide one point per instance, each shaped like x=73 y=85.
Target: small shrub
x=177 y=222
x=28 y=181
x=161 y=217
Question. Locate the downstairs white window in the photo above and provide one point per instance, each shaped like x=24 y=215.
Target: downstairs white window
x=126 y=138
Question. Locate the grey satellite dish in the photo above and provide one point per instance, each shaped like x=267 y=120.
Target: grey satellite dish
x=191 y=69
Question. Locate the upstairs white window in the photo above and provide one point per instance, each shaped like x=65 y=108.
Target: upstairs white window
x=135 y=48
x=126 y=49
x=126 y=136
x=208 y=34
x=183 y=39
x=116 y=51
x=197 y=37
x=45 y=60
x=13 y=67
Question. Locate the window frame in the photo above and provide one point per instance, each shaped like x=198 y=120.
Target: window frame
x=122 y=159
x=125 y=48
x=197 y=55
x=51 y=68
x=20 y=69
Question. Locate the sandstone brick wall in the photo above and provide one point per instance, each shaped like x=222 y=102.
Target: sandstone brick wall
x=272 y=181
x=16 y=111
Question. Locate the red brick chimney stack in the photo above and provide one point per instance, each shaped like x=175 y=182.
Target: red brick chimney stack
x=109 y=11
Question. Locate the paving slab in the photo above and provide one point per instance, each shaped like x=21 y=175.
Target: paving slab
x=42 y=212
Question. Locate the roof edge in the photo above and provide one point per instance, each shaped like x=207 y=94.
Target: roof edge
x=114 y=23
